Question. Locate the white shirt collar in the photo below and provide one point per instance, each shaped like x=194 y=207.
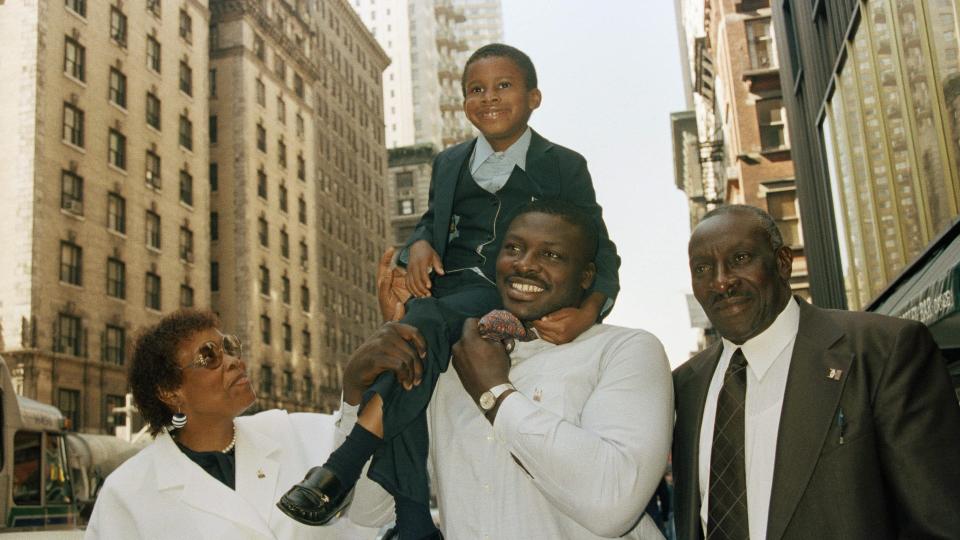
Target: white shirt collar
x=762 y=349
x=516 y=152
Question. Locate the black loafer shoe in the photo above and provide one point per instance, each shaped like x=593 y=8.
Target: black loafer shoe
x=317 y=499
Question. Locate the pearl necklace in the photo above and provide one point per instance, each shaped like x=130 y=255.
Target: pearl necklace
x=233 y=441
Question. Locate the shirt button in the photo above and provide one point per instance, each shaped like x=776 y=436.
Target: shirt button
x=486 y=487
x=489 y=437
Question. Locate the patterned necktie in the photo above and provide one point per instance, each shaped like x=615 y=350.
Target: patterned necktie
x=727 y=512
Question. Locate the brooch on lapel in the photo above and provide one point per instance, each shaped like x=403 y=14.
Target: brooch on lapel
x=834 y=374
x=260 y=474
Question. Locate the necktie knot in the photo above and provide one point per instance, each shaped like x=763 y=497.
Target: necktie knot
x=738 y=360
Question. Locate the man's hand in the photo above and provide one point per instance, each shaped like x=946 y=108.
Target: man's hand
x=480 y=363
x=392 y=291
x=394 y=347
x=423 y=260
x=565 y=324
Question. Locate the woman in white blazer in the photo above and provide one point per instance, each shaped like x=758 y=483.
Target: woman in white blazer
x=216 y=475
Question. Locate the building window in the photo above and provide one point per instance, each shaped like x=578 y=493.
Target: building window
x=281 y=110
x=283 y=197
x=71 y=192
x=214 y=276
x=152 y=291
x=404 y=179
x=116 y=278
x=69 y=335
x=261 y=183
x=261 y=92
x=782 y=207
x=263 y=231
x=68 y=401
x=74 y=59
x=71 y=263
x=152 y=166
x=760 y=44
x=266 y=372
x=284 y=244
x=405 y=207
x=282 y=153
x=212 y=128
x=265 y=329
x=264 y=280
x=186 y=244
x=302 y=210
x=285 y=289
x=305 y=342
x=118 y=87
x=214 y=177
x=153 y=54
x=153 y=229
x=307 y=379
x=287 y=337
x=153 y=111
x=186 y=187
x=214 y=226
x=116 y=213
x=186 y=132
x=153 y=6
x=258 y=48
x=73 y=124
x=301 y=168
x=186 y=296
x=117 y=150
x=118 y=26
x=279 y=67
x=261 y=138
x=304 y=254
x=305 y=298
x=771 y=117
x=186 y=78
x=186 y=26
x=114 y=345
x=300 y=125
x=298 y=86
x=77 y=6
x=110 y=419
x=212 y=77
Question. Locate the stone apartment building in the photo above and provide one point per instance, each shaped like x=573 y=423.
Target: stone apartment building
x=103 y=160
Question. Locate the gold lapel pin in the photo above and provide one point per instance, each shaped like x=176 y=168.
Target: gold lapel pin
x=260 y=474
x=537 y=394
x=834 y=373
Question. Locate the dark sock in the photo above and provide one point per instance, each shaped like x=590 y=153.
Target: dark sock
x=413 y=519
x=347 y=461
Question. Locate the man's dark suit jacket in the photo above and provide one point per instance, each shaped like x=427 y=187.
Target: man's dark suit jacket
x=897 y=473
x=558 y=172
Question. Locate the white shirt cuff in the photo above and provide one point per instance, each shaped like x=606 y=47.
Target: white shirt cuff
x=510 y=416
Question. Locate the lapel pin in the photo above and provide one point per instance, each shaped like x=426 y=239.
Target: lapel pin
x=260 y=474
x=834 y=373
x=537 y=394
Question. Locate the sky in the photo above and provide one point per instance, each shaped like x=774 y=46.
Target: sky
x=609 y=71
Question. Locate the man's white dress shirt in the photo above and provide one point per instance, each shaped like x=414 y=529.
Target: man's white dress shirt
x=491 y=169
x=591 y=422
x=768 y=364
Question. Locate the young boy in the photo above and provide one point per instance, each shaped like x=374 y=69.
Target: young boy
x=476 y=189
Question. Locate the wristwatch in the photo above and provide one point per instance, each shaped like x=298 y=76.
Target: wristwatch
x=489 y=398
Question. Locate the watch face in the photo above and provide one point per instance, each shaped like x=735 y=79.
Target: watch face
x=487 y=400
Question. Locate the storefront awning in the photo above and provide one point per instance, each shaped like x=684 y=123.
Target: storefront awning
x=928 y=290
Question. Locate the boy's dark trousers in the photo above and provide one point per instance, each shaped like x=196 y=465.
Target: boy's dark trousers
x=400 y=465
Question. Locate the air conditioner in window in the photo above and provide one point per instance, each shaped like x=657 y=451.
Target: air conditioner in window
x=153 y=179
x=189 y=257
x=73 y=206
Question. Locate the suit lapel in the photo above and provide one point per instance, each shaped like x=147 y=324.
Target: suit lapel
x=692 y=396
x=258 y=470
x=447 y=175
x=809 y=405
x=203 y=492
x=542 y=171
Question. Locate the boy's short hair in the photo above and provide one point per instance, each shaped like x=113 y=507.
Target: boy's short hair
x=573 y=215
x=494 y=50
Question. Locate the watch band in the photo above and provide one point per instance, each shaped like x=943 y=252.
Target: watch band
x=499 y=389
x=488 y=400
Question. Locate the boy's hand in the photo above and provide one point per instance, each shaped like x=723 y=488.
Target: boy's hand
x=423 y=260
x=392 y=291
x=565 y=324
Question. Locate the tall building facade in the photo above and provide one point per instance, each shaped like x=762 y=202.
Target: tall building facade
x=298 y=203
x=409 y=185
x=105 y=210
x=874 y=109
x=733 y=146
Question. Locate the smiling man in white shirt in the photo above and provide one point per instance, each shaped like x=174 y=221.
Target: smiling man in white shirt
x=548 y=441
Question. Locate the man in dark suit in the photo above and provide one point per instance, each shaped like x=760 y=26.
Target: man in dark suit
x=804 y=422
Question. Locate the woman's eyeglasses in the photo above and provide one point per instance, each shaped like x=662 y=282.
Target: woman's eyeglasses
x=210 y=354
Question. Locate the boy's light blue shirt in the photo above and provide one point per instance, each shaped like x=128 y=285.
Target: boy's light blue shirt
x=491 y=169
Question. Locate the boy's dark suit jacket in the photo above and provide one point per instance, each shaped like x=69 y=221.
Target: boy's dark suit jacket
x=897 y=473
x=559 y=173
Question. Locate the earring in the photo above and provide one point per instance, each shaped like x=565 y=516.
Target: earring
x=179 y=419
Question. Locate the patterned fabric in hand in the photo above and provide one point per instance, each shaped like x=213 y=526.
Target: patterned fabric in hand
x=501 y=325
